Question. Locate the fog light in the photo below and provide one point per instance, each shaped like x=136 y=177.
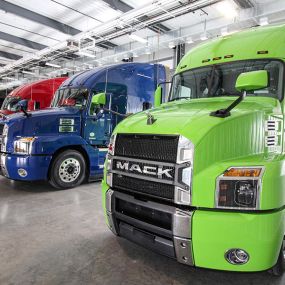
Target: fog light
x=237 y=256
x=22 y=172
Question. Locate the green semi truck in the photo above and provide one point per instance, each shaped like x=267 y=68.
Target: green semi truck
x=201 y=177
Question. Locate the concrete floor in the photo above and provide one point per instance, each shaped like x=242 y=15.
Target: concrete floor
x=60 y=237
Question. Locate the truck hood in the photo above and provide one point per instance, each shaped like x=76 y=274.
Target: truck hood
x=41 y=123
x=215 y=139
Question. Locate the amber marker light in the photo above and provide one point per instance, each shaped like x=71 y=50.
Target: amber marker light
x=243 y=172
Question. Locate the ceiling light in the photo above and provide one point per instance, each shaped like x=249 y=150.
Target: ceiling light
x=263 y=21
x=227 y=8
x=203 y=37
x=84 y=53
x=171 y=45
x=135 y=54
x=53 y=65
x=8 y=78
x=116 y=59
x=28 y=72
x=189 y=40
x=137 y=38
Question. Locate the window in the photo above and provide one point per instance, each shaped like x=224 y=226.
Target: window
x=70 y=97
x=219 y=80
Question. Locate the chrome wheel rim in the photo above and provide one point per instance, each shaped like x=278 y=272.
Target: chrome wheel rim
x=69 y=170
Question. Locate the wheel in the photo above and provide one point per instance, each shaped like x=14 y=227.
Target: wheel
x=279 y=268
x=68 y=170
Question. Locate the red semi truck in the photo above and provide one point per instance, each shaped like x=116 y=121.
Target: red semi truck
x=38 y=94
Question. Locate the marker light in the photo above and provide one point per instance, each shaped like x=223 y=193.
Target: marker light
x=243 y=172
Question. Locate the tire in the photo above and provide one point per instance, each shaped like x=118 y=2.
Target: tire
x=279 y=268
x=68 y=170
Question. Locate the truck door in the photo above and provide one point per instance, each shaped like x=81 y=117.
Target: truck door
x=98 y=129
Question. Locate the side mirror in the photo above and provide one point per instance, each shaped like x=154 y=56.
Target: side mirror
x=250 y=81
x=99 y=99
x=158 y=96
x=22 y=105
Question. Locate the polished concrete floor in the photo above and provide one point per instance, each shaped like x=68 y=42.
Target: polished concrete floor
x=60 y=237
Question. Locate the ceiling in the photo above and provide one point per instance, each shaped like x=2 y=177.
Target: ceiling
x=76 y=34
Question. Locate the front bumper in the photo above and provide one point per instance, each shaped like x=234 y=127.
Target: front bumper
x=197 y=237
x=35 y=166
x=170 y=234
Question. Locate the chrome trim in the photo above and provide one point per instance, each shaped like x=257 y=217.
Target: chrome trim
x=183 y=250
x=182 y=223
x=174 y=181
x=109 y=211
x=259 y=189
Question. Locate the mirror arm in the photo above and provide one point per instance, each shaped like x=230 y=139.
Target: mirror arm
x=115 y=113
x=223 y=113
x=164 y=82
x=25 y=112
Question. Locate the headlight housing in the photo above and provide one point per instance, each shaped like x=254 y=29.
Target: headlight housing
x=24 y=145
x=239 y=188
x=4 y=138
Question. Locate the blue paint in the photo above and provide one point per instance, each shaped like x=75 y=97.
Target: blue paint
x=127 y=86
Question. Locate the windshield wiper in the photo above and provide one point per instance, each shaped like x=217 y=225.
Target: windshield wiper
x=223 y=113
x=178 y=98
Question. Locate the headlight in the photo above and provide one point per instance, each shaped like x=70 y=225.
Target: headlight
x=239 y=188
x=24 y=145
x=4 y=138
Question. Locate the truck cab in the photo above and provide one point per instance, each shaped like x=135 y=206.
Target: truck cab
x=38 y=95
x=67 y=143
x=201 y=177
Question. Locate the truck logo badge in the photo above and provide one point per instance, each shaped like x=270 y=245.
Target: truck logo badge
x=149 y=170
x=150 y=118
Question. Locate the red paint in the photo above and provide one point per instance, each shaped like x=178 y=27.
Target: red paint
x=39 y=95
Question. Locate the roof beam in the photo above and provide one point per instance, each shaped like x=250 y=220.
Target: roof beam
x=123 y=7
x=118 y=5
x=244 y=4
x=9 y=55
x=38 y=18
x=21 y=41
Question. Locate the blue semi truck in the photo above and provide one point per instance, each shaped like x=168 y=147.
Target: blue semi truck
x=67 y=143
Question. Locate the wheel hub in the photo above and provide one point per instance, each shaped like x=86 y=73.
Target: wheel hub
x=69 y=170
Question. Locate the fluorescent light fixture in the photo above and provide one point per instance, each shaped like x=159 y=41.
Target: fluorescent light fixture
x=263 y=21
x=86 y=54
x=53 y=65
x=203 y=37
x=137 y=38
x=171 y=45
x=189 y=40
x=28 y=72
x=227 y=8
x=8 y=78
x=224 y=31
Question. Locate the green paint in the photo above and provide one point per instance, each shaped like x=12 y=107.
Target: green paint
x=158 y=96
x=236 y=141
x=99 y=99
x=253 y=80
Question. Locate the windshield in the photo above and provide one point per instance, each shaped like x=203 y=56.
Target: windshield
x=220 y=79
x=72 y=97
x=10 y=103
